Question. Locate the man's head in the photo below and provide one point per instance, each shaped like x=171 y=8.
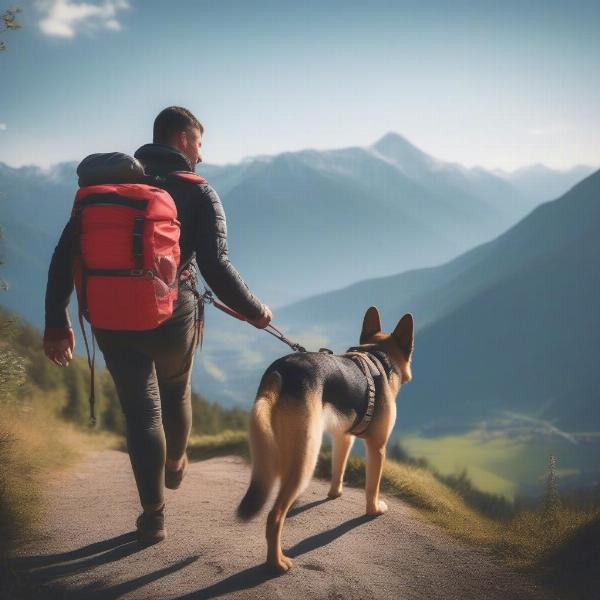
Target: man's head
x=178 y=127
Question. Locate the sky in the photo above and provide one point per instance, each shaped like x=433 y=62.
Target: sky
x=497 y=84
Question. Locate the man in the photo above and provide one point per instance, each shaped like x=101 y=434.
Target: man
x=152 y=369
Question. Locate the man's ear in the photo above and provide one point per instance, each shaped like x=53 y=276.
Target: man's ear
x=371 y=325
x=180 y=140
x=404 y=334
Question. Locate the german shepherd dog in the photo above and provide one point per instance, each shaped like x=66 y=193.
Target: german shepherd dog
x=303 y=394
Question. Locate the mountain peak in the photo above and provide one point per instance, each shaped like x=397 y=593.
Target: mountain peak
x=393 y=137
x=399 y=150
x=392 y=143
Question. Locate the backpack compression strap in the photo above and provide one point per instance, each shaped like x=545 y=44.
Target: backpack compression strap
x=187 y=176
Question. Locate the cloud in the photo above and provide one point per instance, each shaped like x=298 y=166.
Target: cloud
x=214 y=371
x=65 y=19
x=3 y=127
x=549 y=130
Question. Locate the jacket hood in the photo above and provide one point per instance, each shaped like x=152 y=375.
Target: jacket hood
x=159 y=159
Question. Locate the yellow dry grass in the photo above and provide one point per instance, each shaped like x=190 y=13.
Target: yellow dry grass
x=202 y=447
x=40 y=445
x=527 y=541
x=35 y=445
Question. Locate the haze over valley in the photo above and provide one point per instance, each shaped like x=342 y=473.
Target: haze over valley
x=500 y=275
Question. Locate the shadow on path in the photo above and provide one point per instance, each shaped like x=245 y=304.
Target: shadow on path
x=96 y=590
x=244 y=580
x=259 y=574
x=326 y=537
x=43 y=560
x=45 y=568
x=296 y=510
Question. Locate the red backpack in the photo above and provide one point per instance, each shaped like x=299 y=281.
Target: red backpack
x=126 y=241
x=127 y=253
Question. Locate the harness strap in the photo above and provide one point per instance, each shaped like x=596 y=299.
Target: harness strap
x=380 y=358
x=372 y=366
x=361 y=425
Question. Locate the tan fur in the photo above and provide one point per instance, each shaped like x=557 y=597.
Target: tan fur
x=286 y=435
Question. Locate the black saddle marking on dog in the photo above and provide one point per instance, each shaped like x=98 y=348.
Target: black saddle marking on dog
x=340 y=379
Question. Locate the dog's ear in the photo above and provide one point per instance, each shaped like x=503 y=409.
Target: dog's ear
x=371 y=324
x=404 y=334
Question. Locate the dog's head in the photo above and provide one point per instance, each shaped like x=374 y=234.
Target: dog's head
x=398 y=345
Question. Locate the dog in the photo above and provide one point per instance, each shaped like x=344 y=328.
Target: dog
x=304 y=394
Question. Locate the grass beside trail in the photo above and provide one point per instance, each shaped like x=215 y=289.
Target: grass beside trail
x=202 y=447
x=35 y=445
x=534 y=540
x=528 y=540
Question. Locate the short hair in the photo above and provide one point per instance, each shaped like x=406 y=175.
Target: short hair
x=172 y=120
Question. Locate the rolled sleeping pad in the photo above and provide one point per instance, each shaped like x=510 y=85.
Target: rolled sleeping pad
x=110 y=167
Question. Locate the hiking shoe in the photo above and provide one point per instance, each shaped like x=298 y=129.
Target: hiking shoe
x=151 y=526
x=173 y=479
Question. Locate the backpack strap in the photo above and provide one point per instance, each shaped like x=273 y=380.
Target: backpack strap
x=187 y=176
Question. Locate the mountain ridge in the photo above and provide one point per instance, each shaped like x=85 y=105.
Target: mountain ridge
x=543 y=268
x=319 y=202
x=298 y=225
x=539 y=167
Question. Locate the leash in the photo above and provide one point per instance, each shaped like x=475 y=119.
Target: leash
x=209 y=298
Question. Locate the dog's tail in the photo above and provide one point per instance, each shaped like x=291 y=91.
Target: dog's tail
x=262 y=448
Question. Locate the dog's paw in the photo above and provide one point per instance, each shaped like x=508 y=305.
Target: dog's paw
x=379 y=509
x=334 y=493
x=280 y=565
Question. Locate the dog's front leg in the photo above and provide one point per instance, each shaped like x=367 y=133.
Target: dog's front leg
x=341 y=446
x=375 y=459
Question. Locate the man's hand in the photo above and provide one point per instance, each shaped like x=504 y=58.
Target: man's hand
x=60 y=352
x=264 y=320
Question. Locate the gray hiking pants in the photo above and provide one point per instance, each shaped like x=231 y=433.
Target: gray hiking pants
x=152 y=374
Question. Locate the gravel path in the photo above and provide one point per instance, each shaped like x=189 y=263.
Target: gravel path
x=89 y=550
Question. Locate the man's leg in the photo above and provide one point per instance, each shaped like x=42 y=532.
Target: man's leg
x=174 y=364
x=176 y=401
x=135 y=379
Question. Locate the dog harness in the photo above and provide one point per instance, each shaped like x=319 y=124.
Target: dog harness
x=374 y=364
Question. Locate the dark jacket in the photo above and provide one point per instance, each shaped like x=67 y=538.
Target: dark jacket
x=203 y=234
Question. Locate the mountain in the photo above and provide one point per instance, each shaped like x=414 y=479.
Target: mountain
x=34 y=206
x=294 y=218
x=509 y=326
x=300 y=224
x=301 y=213
x=539 y=183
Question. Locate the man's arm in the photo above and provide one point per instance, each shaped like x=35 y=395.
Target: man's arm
x=213 y=259
x=58 y=292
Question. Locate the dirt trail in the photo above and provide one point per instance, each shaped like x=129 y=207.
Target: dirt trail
x=89 y=549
